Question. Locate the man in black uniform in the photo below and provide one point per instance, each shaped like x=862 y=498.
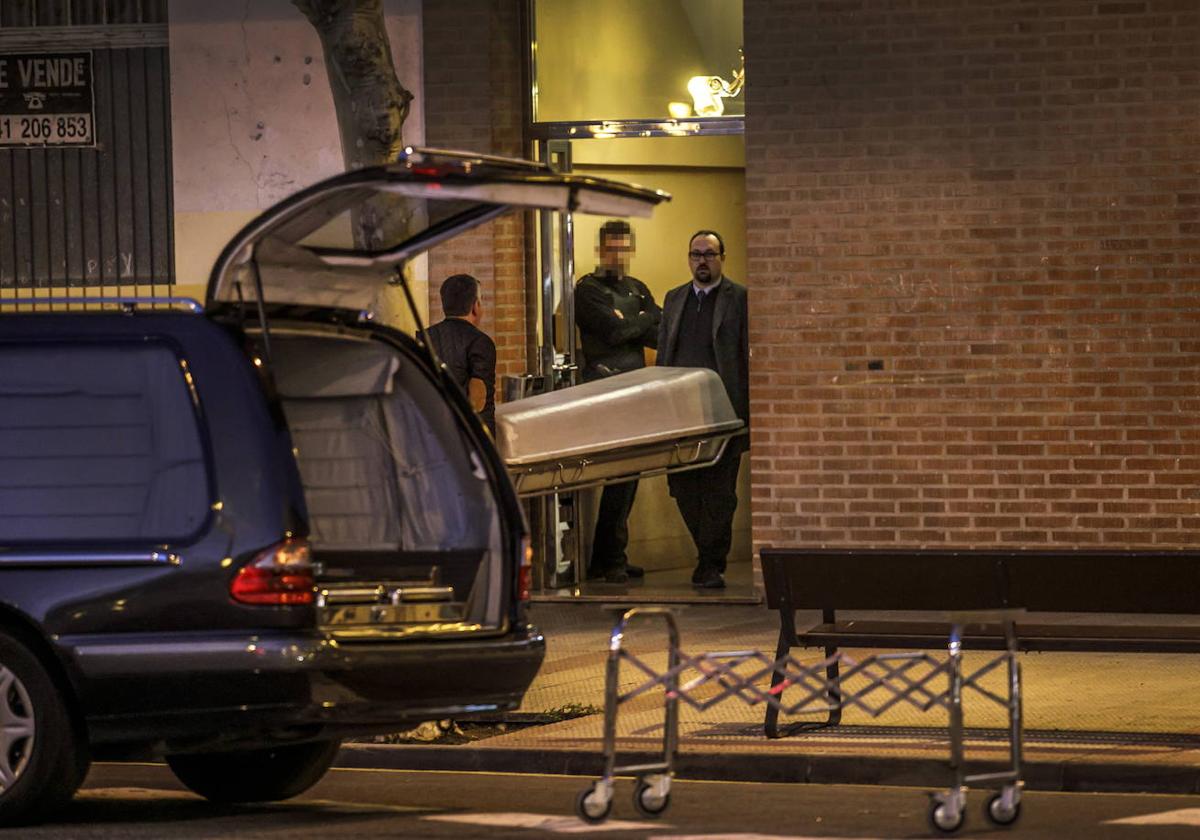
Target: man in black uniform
x=617 y=317
x=467 y=351
x=705 y=325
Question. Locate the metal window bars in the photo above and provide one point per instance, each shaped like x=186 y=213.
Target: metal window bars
x=875 y=684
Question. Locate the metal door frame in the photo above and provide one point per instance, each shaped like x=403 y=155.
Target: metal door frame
x=555 y=272
x=561 y=563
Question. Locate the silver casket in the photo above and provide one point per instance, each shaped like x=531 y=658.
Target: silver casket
x=644 y=422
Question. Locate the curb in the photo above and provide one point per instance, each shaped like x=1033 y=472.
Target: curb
x=1064 y=776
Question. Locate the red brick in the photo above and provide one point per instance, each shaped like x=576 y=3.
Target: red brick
x=1002 y=208
x=473 y=100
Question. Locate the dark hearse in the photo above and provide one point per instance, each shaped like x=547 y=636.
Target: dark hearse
x=235 y=534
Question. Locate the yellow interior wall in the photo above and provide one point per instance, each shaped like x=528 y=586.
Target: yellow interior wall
x=706 y=179
x=626 y=59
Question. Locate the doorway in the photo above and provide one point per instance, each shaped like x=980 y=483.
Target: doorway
x=624 y=109
x=706 y=178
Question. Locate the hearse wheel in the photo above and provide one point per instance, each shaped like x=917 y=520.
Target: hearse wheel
x=264 y=775
x=43 y=759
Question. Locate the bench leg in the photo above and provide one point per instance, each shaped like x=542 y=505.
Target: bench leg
x=788 y=640
x=835 y=693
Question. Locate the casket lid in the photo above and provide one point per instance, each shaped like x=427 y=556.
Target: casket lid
x=654 y=406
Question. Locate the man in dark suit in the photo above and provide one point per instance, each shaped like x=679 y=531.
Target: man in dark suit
x=617 y=319
x=704 y=325
x=467 y=351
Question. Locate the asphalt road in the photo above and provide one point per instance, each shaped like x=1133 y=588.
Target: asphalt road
x=143 y=802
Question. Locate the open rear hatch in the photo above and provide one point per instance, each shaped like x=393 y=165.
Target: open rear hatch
x=344 y=242
x=414 y=525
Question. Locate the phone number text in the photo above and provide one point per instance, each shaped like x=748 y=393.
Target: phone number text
x=46 y=130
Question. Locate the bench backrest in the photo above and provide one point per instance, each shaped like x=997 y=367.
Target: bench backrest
x=963 y=579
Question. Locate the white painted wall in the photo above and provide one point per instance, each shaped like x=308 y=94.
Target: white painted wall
x=252 y=115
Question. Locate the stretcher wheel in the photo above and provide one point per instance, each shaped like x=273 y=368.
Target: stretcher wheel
x=592 y=806
x=648 y=801
x=1000 y=812
x=944 y=817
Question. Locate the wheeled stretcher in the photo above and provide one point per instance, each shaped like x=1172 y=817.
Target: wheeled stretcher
x=875 y=684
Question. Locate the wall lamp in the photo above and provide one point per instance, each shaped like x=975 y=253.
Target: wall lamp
x=709 y=92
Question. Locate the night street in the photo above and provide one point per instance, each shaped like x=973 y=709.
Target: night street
x=790 y=411
x=144 y=801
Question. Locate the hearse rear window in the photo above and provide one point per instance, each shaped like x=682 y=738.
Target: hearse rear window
x=98 y=442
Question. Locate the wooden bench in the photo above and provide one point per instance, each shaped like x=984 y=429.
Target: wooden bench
x=1138 y=583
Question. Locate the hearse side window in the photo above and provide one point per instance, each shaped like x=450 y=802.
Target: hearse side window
x=98 y=443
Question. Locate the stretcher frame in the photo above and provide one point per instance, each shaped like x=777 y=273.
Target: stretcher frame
x=908 y=677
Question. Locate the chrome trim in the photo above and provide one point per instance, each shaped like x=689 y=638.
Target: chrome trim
x=577 y=478
x=548 y=275
x=115 y=558
x=603 y=129
x=567 y=292
x=531 y=58
x=190 y=383
x=352 y=595
x=434 y=617
x=131 y=302
x=421 y=594
x=384 y=593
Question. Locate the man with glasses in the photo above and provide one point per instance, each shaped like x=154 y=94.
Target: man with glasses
x=617 y=319
x=704 y=325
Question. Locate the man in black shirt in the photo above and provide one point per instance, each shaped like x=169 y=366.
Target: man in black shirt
x=704 y=325
x=467 y=351
x=617 y=318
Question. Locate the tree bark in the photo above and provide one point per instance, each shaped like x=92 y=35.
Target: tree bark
x=370 y=102
x=371 y=106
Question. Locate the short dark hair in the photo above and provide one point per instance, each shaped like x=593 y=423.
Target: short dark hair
x=459 y=293
x=711 y=233
x=614 y=228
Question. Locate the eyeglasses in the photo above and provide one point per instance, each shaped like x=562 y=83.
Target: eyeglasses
x=703 y=255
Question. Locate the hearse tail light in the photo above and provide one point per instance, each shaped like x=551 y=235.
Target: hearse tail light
x=525 y=571
x=279 y=575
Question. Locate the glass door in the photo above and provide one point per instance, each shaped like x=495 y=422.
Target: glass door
x=653 y=96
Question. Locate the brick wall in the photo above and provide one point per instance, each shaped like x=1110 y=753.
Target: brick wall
x=974 y=268
x=473 y=100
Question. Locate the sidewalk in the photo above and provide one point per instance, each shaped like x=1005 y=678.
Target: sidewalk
x=1092 y=721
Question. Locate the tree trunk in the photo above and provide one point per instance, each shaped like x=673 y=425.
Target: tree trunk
x=371 y=106
x=370 y=102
